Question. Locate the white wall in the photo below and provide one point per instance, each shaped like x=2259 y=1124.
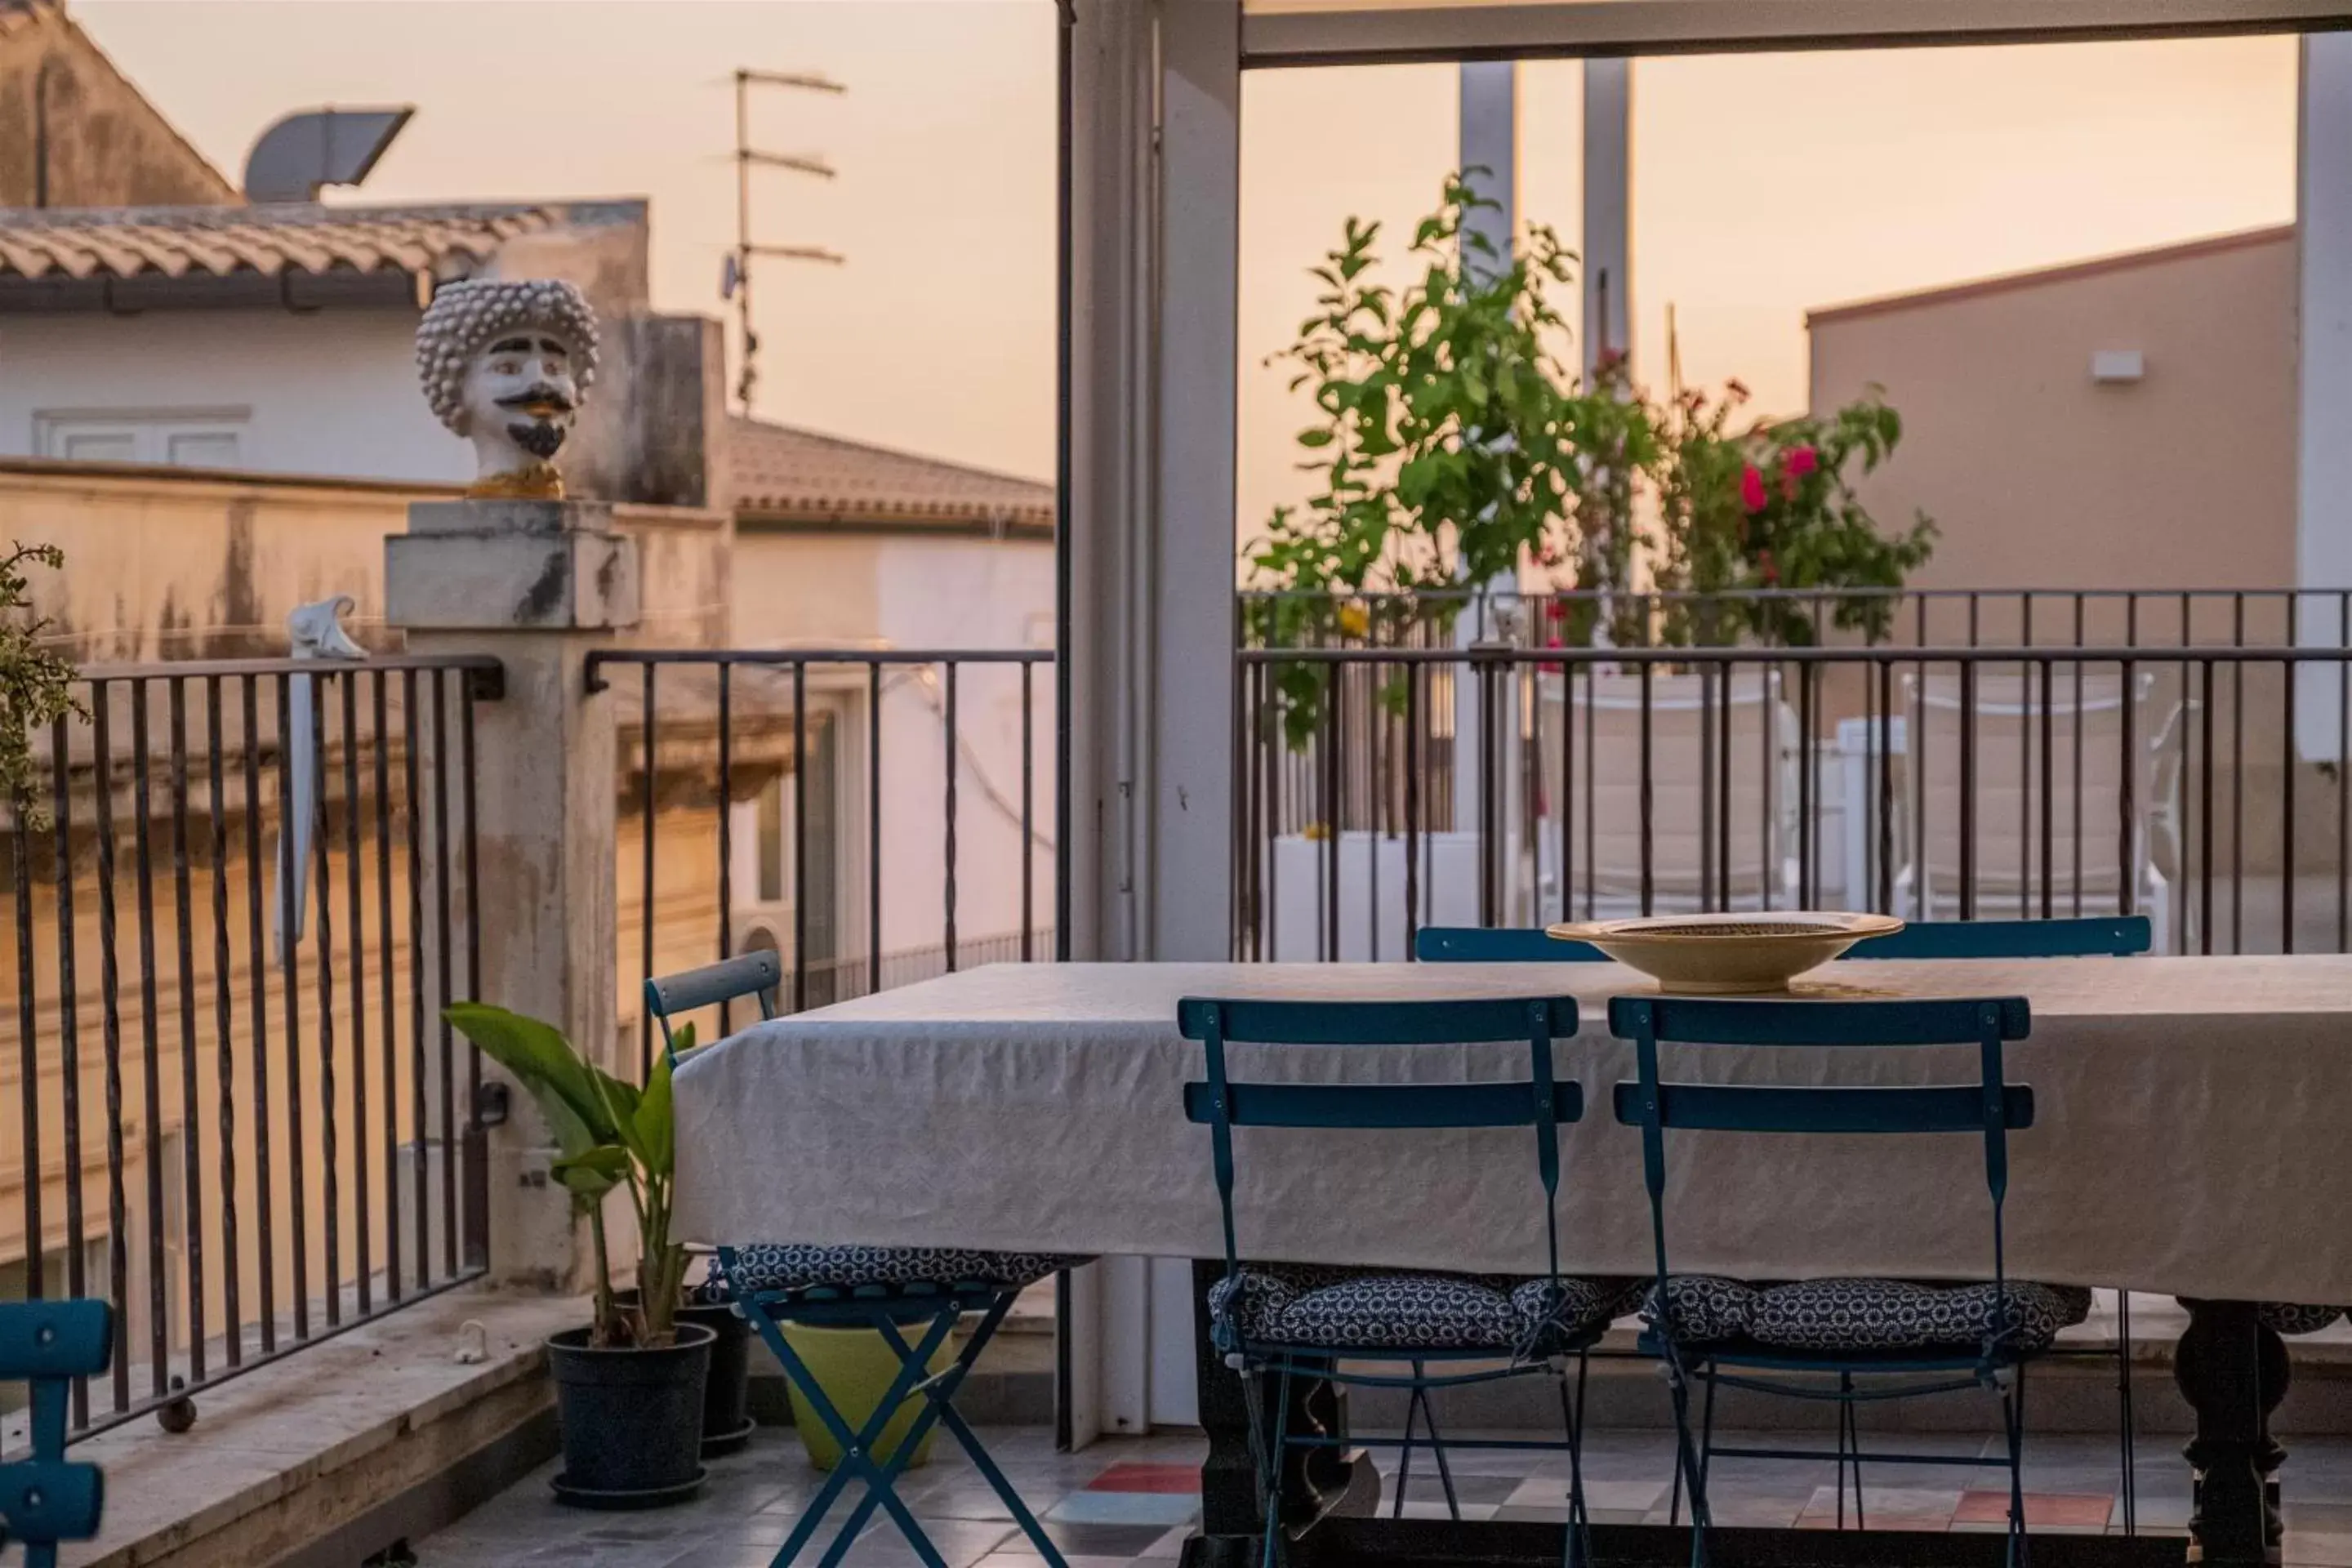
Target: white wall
x=914 y=592
x=330 y=392
x=943 y=594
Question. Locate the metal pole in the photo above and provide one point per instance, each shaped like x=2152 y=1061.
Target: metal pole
x=743 y=233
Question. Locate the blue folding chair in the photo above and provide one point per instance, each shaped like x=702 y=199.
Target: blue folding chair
x=44 y=1499
x=2115 y=936
x=1287 y=1322
x=1499 y=944
x=2090 y=936
x=912 y=1297
x=1920 y=1339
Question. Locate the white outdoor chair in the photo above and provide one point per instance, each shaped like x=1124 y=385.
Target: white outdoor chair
x=2009 y=766
x=1599 y=804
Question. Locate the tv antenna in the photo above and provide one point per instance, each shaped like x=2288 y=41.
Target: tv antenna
x=735 y=280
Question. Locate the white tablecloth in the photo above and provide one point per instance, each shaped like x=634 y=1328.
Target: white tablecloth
x=2194 y=1131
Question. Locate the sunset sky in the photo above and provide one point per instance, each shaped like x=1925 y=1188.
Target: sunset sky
x=1764 y=185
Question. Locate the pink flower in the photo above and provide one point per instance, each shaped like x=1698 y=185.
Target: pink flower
x=1798 y=461
x=1751 y=487
x=1766 y=569
x=1788 y=485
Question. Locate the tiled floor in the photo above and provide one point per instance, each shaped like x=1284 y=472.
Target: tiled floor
x=1130 y=1501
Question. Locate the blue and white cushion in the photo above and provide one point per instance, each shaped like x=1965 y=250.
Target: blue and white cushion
x=2293 y=1318
x=793 y=1266
x=2287 y=1316
x=1863 y=1315
x=1344 y=1309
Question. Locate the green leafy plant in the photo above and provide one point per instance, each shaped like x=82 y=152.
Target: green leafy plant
x=36 y=685
x=1773 y=507
x=611 y=1134
x=1446 y=442
x=1454 y=448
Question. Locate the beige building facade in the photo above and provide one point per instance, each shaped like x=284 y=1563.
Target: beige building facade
x=2128 y=422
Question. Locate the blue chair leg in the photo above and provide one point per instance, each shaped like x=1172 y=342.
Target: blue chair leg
x=857 y=1447
x=1437 y=1450
x=1273 y=1474
x=936 y=1391
x=1579 y=1546
x=2013 y=1413
x=1706 y=1439
x=1686 y=1461
x=1269 y=1440
x=2130 y=1497
x=941 y=1405
x=1404 y=1450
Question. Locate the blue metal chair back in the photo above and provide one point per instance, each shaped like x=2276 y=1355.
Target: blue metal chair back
x=1499 y=944
x=44 y=1499
x=1537 y=1101
x=752 y=974
x=2108 y=936
x=1989 y=1107
x=2117 y=936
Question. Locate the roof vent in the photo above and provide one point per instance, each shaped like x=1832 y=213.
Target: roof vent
x=319 y=147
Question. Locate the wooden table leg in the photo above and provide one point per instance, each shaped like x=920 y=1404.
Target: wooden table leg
x=1316 y=1482
x=2233 y=1373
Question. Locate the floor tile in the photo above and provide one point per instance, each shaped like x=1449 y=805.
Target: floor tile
x=1425 y=1485
x=2079 y=1510
x=1148 y=1477
x=1172 y=1544
x=1131 y=1500
x=1885 y=1503
x=1101 y=1539
x=1438 y=1510
x=1090 y=1506
x=960 y=1542
x=2318 y=1548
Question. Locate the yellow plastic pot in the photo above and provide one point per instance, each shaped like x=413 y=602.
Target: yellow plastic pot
x=856 y=1368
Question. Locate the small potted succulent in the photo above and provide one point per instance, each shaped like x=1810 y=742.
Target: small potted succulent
x=629 y=1388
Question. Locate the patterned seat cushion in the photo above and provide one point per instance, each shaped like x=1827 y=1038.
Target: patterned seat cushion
x=1345 y=1308
x=791 y=1266
x=1869 y=1314
x=2293 y=1318
x=2288 y=1317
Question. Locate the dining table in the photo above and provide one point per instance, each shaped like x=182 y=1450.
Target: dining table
x=2189 y=1138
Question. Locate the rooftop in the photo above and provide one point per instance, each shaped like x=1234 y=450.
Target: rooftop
x=300 y=238
x=783 y=475
x=2063 y=272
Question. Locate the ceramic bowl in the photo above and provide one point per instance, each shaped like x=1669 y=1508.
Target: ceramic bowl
x=1726 y=954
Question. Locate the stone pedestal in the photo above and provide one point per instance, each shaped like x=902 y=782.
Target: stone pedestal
x=537 y=585
x=510 y=566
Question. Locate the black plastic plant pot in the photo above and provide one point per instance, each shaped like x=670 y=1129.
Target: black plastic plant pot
x=631 y=1419
x=727 y=1405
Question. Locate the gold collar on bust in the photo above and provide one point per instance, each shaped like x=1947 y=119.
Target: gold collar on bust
x=538 y=482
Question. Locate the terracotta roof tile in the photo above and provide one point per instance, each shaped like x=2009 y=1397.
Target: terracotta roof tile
x=299 y=238
x=784 y=474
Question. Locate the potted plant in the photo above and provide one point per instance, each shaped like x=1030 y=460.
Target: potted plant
x=629 y=1388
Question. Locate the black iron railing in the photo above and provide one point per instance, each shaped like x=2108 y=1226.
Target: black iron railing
x=876 y=816
x=1900 y=617
x=238 y=1117
x=2206 y=786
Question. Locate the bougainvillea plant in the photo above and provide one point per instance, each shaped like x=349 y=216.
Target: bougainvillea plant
x=1773 y=508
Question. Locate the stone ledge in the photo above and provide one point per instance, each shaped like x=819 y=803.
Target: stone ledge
x=289 y=1454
